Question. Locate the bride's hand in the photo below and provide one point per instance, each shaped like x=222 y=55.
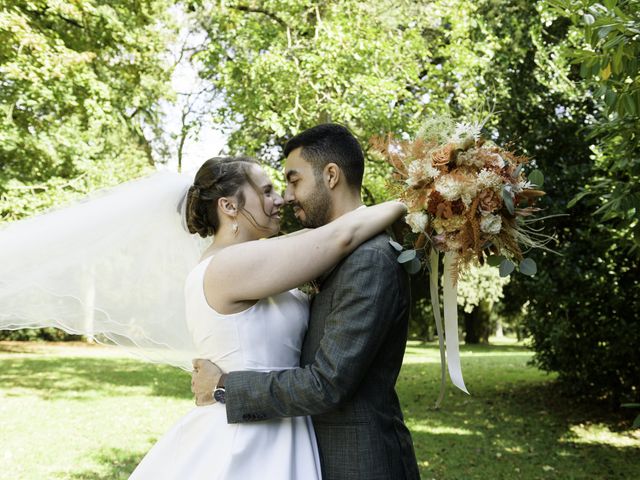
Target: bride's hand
x=204 y=379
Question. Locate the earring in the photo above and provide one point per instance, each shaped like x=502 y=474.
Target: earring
x=234 y=228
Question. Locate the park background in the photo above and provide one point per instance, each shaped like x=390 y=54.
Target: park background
x=94 y=93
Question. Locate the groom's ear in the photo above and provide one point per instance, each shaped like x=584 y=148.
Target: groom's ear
x=332 y=175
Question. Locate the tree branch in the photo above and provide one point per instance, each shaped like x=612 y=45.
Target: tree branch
x=43 y=14
x=272 y=16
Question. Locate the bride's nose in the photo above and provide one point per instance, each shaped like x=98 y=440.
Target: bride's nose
x=278 y=201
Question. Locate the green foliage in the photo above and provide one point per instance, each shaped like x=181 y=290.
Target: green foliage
x=478 y=284
x=582 y=304
x=79 y=81
x=479 y=289
x=290 y=64
x=35 y=334
x=605 y=41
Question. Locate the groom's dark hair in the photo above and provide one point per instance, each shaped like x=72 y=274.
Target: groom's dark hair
x=330 y=143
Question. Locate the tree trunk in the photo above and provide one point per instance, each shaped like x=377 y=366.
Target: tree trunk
x=421 y=320
x=499 y=331
x=477 y=325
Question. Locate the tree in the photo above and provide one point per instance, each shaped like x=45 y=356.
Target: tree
x=479 y=289
x=79 y=86
x=580 y=307
x=604 y=39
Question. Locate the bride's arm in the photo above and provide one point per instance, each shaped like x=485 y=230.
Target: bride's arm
x=293 y=234
x=258 y=269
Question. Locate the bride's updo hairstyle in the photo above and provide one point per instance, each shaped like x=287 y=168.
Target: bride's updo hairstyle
x=218 y=177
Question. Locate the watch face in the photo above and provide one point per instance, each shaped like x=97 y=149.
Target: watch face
x=218 y=395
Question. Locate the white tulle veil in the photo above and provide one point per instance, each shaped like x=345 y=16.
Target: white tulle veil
x=111 y=267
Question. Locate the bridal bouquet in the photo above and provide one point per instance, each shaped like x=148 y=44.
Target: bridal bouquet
x=469 y=199
x=466 y=195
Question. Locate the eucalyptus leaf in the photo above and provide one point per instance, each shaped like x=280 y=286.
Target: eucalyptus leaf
x=528 y=267
x=495 y=260
x=536 y=177
x=517 y=171
x=412 y=267
x=395 y=245
x=508 y=201
x=506 y=267
x=406 y=256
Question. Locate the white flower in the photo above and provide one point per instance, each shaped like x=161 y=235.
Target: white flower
x=468 y=194
x=449 y=188
x=452 y=189
x=491 y=224
x=489 y=179
x=420 y=170
x=497 y=161
x=470 y=157
x=415 y=173
x=522 y=185
x=466 y=130
x=417 y=221
x=430 y=170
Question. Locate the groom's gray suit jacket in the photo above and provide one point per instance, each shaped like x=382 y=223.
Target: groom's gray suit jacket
x=350 y=360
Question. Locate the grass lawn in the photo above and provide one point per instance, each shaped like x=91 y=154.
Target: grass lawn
x=88 y=412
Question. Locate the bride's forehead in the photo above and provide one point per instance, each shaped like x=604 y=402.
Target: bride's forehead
x=260 y=176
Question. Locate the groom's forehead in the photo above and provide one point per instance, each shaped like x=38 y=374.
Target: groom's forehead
x=295 y=165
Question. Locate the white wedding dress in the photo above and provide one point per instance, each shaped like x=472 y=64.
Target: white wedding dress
x=202 y=445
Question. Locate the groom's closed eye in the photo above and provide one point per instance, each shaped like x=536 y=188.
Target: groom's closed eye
x=292 y=176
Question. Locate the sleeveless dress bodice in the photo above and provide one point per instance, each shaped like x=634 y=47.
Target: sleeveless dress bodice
x=202 y=445
x=266 y=336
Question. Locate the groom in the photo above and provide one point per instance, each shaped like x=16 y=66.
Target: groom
x=353 y=349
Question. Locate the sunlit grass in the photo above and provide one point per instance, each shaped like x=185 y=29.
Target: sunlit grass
x=601 y=434
x=83 y=412
x=513 y=425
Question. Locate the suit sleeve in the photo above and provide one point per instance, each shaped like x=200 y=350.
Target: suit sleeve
x=363 y=308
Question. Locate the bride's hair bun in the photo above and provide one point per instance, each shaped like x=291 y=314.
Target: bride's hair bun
x=218 y=177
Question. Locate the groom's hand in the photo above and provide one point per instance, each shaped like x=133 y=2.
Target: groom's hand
x=204 y=379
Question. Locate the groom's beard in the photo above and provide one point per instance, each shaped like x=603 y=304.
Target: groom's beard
x=317 y=209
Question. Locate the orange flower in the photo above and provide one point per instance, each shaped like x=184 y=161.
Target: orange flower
x=489 y=201
x=441 y=157
x=433 y=201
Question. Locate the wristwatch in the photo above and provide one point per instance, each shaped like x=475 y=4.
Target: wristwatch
x=219 y=391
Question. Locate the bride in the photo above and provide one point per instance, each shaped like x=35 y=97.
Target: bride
x=244 y=313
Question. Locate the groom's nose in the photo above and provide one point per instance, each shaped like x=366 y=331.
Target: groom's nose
x=288 y=195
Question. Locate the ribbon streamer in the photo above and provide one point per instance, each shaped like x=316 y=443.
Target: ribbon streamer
x=450 y=301
x=434 y=274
